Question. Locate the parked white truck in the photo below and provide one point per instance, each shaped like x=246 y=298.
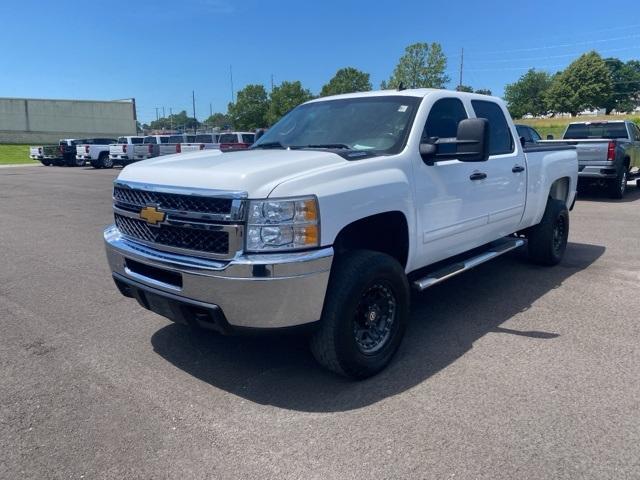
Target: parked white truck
x=334 y=214
x=122 y=152
x=95 y=151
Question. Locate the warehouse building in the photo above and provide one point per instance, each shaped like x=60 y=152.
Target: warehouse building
x=38 y=121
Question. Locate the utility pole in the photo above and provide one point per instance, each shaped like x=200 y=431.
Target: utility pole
x=193 y=99
x=163 y=114
x=210 y=109
x=461 y=65
x=157 y=117
x=272 y=82
x=233 y=96
x=171 y=117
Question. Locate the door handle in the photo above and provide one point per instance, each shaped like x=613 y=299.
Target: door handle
x=517 y=169
x=477 y=176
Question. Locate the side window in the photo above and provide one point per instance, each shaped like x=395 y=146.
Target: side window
x=535 y=136
x=637 y=132
x=443 y=120
x=525 y=133
x=500 y=140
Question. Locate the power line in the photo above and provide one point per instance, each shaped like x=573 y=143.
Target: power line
x=564 y=55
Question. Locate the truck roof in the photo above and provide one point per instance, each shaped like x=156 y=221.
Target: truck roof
x=409 y=92
x=589 y=122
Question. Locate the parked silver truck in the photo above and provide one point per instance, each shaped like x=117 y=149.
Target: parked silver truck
x=608 y=153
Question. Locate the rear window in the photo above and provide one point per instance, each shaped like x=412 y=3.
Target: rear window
x=136 y=140
x=164 y=139
x=500 y=140
x=150 y=140
x=122 y=140
x=248 y=138
x=579 y=131
x=174 y=139
x=191 y=138
x=228 y=138
x=205 y=138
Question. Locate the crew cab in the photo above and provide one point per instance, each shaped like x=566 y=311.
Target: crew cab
x=608 y=153
x=334 y=214
x=95 y=151
x=235 y=140
x=201 y=141
x=122 y=152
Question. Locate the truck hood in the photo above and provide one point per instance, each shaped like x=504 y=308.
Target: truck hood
x=256 y=172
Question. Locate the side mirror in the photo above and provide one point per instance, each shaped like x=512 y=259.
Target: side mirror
x=472 y=142
x=549 y=137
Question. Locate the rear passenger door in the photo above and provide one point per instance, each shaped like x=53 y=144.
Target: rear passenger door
x=505 y=171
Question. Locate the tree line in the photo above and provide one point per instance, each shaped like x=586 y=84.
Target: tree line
x=588 y=83
x=422 y=65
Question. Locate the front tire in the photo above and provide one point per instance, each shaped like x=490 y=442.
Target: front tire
x=365 y=314
x=547 y=241
x=46 y=163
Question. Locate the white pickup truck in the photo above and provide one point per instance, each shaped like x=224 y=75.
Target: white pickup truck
x=201 y=141
x=150 y=146
x=123 y=151
x=94 y=150
x=334 y=214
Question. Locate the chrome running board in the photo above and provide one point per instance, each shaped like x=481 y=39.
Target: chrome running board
x=497 y=248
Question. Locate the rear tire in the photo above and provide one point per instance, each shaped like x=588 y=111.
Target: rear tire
x=365 y=314
x=46 y=163
x=105 y=160
x=547 y=241
x=618 y=187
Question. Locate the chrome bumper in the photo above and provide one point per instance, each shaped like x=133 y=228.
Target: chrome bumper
x=252 y=291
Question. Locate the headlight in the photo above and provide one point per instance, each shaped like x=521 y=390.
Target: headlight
x=288 y=224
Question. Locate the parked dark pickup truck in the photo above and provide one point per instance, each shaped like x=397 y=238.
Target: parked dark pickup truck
x=608 y=153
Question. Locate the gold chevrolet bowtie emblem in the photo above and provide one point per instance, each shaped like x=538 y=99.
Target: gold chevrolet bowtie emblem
x=152 y=215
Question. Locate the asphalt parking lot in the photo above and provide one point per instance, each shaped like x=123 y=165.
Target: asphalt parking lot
x=508 y=371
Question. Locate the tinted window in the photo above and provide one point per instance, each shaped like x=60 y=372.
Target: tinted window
x=136 y=140
x=443 y=120
x=524 y=132
x=636 y=130
x=500 y=140
x=122 y=140
x=150 y=140
x=228 y=138
x=204 y=138
x=191 y=138
x=164 y=139
x=248 y=137
x=577 y=131
x=174 y=139
x=535 y=135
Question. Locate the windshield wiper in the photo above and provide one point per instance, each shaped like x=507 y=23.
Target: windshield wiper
x=325 y=145
x=269 y=145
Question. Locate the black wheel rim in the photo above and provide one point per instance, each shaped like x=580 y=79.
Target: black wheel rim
x=374 y=318
x=559 y=234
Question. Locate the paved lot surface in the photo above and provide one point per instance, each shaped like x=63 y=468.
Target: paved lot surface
x=508 y=371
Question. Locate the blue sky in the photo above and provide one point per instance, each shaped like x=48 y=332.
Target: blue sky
x=159 y=51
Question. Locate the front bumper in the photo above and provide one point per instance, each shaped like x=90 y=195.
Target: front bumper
x=251 y=291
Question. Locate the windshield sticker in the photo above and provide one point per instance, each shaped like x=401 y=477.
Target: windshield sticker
x=403 y=108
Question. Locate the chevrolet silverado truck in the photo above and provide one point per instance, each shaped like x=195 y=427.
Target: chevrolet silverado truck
x=201 y=141
x=334 y=214
x=150 y=147
x=608 y=153
x=122 y=152
x=94 y=151
x=64 y=153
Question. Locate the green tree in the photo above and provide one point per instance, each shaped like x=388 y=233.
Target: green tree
x=421 y=66
x=250 y=108
x=285 y=97
x=177 y=121
x=218 y=120
x=585 y=84
x=625 y=84
x=347 y=80
x=464 y=88
x=484 y=91
x=527 y=95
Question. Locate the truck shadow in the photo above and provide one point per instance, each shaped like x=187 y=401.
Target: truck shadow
x=594 y=194
x=445 y=322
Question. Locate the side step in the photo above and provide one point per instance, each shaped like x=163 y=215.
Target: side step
x=495 y=249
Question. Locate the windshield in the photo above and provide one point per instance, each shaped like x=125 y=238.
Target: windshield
x=378 y=124
x=579 y=131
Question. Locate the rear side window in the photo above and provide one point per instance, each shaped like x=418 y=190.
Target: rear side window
x=136 y=140
x=122 y=140
x=636 y=131
x=443 y=120
x=164 y=139
x=204 y=138
x=248 y=138
x=150 y=140
x=174 y=139
x=500 y=140
x=535 y=135
x=524 y=132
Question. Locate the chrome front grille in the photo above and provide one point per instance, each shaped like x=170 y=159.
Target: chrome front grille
x=209 y=241
x=202 y=222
